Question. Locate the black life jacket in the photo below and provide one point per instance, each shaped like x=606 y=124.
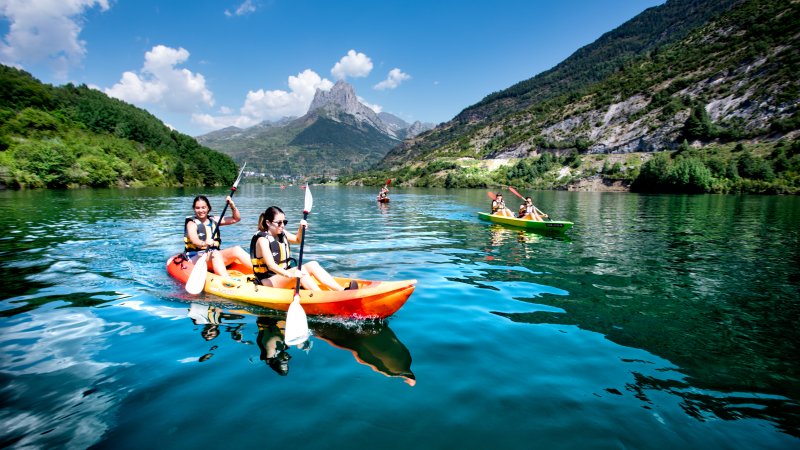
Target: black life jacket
x=201 y=233
x=280 y=250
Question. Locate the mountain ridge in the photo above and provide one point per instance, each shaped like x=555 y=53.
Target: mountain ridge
x=338 y=134
x=730 y=80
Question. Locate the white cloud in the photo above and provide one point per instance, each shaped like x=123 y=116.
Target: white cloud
x=395 y=77
x=352 y=65
x=263 y=105
x=161 y=83
x=45 y=30
x=245 y=8
x=376 y=108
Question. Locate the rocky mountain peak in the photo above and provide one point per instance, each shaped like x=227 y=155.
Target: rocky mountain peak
x=341 y=97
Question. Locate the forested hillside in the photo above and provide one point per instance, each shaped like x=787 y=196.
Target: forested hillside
x=71 y=136
x=720 y=96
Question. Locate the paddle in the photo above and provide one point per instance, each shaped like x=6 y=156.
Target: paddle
x=197 y=279
x=296 y=321
x=539 y=211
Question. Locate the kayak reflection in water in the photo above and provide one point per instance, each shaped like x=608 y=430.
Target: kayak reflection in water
x=270 y=341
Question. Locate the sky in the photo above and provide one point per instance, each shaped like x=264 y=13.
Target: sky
x=202 y=65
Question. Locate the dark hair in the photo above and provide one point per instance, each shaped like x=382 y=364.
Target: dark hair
x=203 y=198
x=267 y=216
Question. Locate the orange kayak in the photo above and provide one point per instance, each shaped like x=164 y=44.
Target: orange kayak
x=372 y=299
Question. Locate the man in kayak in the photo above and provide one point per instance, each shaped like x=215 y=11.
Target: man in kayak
x=197 y=236
x=271 y=256
x=499 y=207
x=528 y=211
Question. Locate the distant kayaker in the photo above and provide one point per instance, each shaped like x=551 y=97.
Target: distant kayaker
x=383 y=194
x=528 y=211
x=197 y=237
x=499 y=207
x=271 y=256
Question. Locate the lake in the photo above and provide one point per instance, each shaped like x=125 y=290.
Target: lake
x=657 y=322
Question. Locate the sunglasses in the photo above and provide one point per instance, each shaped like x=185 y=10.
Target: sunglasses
x=279 y=222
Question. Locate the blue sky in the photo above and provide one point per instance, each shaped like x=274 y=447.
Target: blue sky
x=203 y=65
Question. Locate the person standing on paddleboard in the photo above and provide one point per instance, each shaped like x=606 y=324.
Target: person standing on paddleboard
x=197 y=237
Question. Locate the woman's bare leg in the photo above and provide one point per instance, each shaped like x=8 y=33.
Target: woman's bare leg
x=313 y=268
x=218 y=263
x=231 y=254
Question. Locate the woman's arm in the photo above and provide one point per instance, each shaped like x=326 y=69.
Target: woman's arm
x=295 y=238
x=235 y=216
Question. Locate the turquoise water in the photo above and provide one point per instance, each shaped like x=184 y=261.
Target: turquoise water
x=657 y=322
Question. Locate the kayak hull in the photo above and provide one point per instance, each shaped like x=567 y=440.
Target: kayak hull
x=373 y=299
x=383 y=200
x=553 y=226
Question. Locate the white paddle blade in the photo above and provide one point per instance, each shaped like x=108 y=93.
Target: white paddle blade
x=296 y=324
x=197 y=279
x=309 y=200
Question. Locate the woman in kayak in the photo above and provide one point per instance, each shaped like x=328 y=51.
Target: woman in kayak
x=197 y=237
x=499 y=207
x=528 y=211
x=271 y=256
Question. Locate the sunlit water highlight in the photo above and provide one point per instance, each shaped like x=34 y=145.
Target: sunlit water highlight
x=657 y=322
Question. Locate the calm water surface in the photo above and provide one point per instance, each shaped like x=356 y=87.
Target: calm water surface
x=657 y=322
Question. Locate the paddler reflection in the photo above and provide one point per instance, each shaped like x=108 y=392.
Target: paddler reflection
x=270 y=341
x=372 y=344
x=211 y=317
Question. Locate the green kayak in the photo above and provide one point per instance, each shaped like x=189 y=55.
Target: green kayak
x=550 y=226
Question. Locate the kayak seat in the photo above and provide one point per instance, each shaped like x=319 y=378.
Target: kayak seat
x=353 y=286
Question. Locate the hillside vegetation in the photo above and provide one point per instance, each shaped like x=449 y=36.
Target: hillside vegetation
x=71 y=136
x=719 y=99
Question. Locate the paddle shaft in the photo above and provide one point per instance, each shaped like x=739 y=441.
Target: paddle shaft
x=300 y=258
x=215 y=233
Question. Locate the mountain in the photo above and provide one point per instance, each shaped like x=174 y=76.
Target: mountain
x=338 y=134
x=686 y=74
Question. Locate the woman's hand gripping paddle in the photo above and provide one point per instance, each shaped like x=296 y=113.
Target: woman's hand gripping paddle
x=296 y=321
x=197 y=279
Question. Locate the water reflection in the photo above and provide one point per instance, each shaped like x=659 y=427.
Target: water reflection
x=372 y=343
x=274 y=351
